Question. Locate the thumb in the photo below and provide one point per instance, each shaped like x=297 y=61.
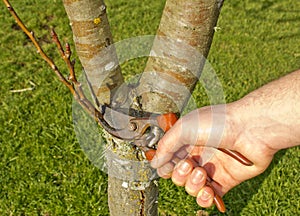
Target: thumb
x=202 y=127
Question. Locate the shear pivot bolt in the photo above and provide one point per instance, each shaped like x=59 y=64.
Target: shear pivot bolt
x=132 y=126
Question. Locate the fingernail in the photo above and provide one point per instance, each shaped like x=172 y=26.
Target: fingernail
x=183 y=168
x=197 y=177
x=167 y=169
x=155 y=162
x=204 y=195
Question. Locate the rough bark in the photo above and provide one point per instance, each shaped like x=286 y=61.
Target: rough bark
x=187 y=27
x=178 y=55
x=92 y=37
x=128 y=192
x=132 y=188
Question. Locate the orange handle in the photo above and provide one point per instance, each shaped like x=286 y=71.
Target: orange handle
x=166 y=121
x=150 y=154
x=219 y=203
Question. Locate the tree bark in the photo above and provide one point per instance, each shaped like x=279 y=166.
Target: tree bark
x=93 y=40
x=186 y=29
x=178 y=55
x=128 y=191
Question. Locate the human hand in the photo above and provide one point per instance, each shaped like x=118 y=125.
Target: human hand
x=188 y=152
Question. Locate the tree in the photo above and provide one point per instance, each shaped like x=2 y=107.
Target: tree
x=192 y=22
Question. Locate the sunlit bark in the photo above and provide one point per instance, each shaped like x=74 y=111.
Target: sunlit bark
x=184 y=38
x=92 y=37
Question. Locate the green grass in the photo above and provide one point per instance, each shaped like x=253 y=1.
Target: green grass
x=43 y=170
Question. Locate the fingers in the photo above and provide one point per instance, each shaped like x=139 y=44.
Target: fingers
x=166 y=170
x=193 y=129
x=194 y=178
x=182 y=172
x=205 y=197
x=195 y=181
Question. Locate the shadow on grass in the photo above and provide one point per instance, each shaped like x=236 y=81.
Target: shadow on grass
x=239 y=197
x=280 y=16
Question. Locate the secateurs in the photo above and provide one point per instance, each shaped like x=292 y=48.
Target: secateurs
x=145 y=132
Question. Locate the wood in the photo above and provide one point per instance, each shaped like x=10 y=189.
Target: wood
x=192 y=22
x=185 y=35
x=92 y=37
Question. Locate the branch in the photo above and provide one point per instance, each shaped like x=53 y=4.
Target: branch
x=73 y=85
x=178 y=54
x=93 y=42
x=24 y=89
x=30 y=34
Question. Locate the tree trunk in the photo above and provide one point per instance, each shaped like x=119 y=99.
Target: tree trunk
x=169 y=78
x=128 y=191
x=187 y=28
x=178 y=55
x=92 y=37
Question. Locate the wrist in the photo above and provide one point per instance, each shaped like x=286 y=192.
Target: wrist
x=274 y=126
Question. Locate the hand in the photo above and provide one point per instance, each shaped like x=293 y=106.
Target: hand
x=257 y=126
x=196 y=137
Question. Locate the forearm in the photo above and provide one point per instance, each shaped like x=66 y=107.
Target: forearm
x=275 y=109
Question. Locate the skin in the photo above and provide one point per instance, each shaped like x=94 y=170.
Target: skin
x=257 y=126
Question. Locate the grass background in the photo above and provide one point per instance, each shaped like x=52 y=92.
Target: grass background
x=43 y=170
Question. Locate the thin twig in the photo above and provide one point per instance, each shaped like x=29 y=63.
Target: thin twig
x=24 y=89
x=66 y=56
x=76 y=91
x=21 y=90
x=30 y=34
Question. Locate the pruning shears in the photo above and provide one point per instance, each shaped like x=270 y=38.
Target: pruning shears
x=145 y=132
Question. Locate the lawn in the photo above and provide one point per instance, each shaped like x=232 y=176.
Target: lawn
x=43 y=170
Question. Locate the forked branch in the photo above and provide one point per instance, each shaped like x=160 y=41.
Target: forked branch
x=72 y=83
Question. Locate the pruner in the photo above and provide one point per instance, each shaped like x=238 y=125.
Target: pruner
x=145 y=132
